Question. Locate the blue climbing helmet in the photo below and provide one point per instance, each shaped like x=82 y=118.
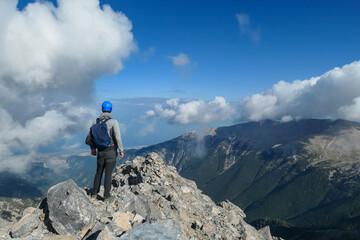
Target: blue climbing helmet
x=106 y=106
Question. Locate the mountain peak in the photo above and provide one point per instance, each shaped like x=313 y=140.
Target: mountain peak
x=303 y=172
x=151 y=199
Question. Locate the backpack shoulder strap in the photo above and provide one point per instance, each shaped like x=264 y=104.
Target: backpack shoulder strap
x=98 y=120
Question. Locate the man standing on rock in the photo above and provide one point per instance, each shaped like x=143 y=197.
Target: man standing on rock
x=105 y=136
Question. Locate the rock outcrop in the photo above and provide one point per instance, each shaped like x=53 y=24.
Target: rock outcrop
x=152 y=201
x=27 y=224
x=70 y=210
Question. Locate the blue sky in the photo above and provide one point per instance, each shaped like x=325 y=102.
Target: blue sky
x=185 y=64
x=297 y=40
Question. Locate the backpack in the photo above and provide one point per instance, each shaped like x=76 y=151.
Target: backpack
x=99 y=134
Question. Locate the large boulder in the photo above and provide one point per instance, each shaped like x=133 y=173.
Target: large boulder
x=70 y=210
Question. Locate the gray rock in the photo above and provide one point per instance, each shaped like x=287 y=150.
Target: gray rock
x=4 y=228
x=265 y=232
x=70 y=210
x=251 y=232
x=37 y=234
x=58 y=237
x=229 y=206
x=26 y=225
x=95 y=231
x=121 y=222
x=151 y=231
x=106 y=235
x=141 y=205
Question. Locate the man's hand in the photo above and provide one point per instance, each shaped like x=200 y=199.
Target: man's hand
x=93 y=152
x=121 y=154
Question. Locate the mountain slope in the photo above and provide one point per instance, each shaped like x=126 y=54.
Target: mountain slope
x=304 y=172
x=13 y=186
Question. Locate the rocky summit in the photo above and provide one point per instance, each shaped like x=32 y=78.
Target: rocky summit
x=152 y=201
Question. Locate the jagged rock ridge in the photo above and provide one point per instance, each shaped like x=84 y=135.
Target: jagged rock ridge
x=152 y=200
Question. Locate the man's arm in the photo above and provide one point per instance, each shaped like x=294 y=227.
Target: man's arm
x=88 y=142
x=118 y=138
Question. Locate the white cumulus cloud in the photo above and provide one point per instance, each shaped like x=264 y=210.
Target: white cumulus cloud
x=335 y=94
x=180 y=60
x=351 y=111
x=50 y=58
x=195 y=111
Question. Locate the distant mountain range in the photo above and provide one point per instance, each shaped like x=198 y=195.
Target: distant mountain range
x=304 y=173
x=47 y=170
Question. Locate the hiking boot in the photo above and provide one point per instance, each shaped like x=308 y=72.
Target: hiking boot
x=93 y=196
x=109 y=199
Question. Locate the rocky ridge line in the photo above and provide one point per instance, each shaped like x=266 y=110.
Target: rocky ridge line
x=152 y=201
